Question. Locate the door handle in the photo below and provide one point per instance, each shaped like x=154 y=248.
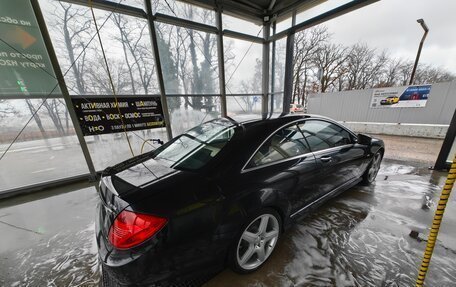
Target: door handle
x=325 y=158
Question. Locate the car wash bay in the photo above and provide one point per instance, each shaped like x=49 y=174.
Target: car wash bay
x=360 y=238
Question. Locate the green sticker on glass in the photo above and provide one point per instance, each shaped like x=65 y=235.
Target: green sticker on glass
x=25 y=67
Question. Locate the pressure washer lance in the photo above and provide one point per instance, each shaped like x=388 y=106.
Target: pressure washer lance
x=436 y=224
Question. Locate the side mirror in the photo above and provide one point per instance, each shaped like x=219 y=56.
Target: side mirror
x=364 y=139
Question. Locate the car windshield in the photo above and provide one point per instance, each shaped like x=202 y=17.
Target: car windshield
x=195 y=148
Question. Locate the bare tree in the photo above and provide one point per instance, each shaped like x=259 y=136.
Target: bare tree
x=194 y=54
x=53 y=109
x=306 y=45
x=427 y=74
x=137 y=51
x=74 y=23
x=98 y=76
x=391 y=74
x=34 y=111
x=364 y=66
x=6 y=109
x=404 y=73
x=330 y=61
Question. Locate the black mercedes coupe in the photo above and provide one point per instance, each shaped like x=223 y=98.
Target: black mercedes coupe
x=221 y=194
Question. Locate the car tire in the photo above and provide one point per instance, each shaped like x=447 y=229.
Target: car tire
x=372 y=169
x=256 y=241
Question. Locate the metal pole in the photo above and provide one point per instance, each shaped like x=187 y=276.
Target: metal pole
x=63 y=87
x=265 y=71
x=288 y=82
x=273 y=69
x=158 y=68
x=450 y=137
x=221 y=63
x=426 y=30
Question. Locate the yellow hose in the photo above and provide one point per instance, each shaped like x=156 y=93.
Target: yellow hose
x=436 y=224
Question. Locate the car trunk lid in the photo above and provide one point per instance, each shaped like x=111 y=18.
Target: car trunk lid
x=120 y=185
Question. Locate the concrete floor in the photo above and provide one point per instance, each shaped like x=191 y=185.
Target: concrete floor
x=423 y=150
x=360 y=238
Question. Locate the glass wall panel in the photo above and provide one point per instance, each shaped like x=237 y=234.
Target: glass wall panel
x=110 y=149
x=244 y=107
x=243 y=66
x=47 y=149
x=25 y=68
x=189 y=60
x=242 y=26
x=279 y=72
x=319 y=9
x=127 y=46
x=185 y=114
x=279 y=75
x=128 y=50
x=184 y=10
x=283 y=25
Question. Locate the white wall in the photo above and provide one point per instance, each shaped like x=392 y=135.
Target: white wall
x=352 y=108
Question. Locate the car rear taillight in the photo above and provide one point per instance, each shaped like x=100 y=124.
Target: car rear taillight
x=130 y=229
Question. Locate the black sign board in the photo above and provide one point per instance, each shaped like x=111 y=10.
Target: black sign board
x=101 y=115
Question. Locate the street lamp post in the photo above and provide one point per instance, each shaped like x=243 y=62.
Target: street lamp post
x=426 y=30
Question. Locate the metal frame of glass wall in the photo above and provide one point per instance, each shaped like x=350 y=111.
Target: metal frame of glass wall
x=267 y=65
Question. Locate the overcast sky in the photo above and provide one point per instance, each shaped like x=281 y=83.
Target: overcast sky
x=391 y=24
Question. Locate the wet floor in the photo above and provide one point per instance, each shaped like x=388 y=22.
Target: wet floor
x=360 y=238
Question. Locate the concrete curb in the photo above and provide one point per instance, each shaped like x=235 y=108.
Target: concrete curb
x=399 y=129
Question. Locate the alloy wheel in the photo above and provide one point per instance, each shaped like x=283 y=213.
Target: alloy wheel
x=375 y=167
x=257 y=241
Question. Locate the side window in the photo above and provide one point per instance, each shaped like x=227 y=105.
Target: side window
x=287 y=142
x=322 y=135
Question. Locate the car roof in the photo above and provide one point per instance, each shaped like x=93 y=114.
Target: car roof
x=266 y=126
x=281 y=120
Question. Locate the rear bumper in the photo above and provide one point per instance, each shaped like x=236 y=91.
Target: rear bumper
x=111 y=278
x=183 y=264
x=175 y=256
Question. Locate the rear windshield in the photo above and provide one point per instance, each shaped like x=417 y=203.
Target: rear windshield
x=196 y=147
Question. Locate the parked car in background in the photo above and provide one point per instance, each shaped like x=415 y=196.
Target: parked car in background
x=296 y=108
x=222 y=194
x=390 y=100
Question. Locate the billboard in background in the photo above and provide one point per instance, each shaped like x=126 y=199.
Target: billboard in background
x=401 y=97
x=25 y=67
x=101 y=115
